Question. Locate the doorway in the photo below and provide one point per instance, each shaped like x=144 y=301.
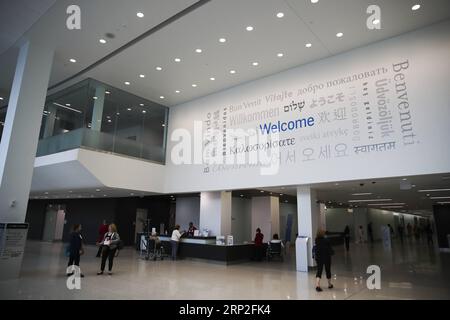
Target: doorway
x=55 y=218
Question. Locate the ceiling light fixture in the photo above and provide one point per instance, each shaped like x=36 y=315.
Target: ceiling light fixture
x=280 y=15
x=177 y=60
x=140 y=15
x=107 y=92
x=198 y=50
x=415 y=7
x=144 y=111
x=194 y=85
x=386 y=204
x=103 y=41
x=362 y=194
x=255 y=64
x=249 y=28
x=222 y=40
x=73 y=60
x=141 y=104
x=212 y=78
x=161 y=97
x=142 y=76
x=129 y=109
x=65 y=107
x=158 y=68
x=232 y=71
x=314 y=1
x=279 y=55
x=177 y=91
x=308 y=45
x=437 y=198
x=339 y=34
x=127 y=83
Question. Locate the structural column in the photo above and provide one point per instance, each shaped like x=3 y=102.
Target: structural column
x=97 y=111
x=21 y=129
x=266 y=216
x=215 y=212
x=308 y=211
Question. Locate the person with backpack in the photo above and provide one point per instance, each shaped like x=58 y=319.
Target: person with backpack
x=110 y=243
x=75 y=249
x=322 y=253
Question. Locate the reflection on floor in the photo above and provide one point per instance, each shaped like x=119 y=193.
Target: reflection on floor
x=409 y=271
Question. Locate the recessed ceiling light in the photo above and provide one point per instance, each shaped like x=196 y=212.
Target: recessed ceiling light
x=98 y=190
x=198 y=50
x=255 y=64
x=129 y=109
x=127 y=83
x=308 y=45
x=362 y=194
x=68 y=104
x=177 y=91
x=163 y=125
x=222 y=40
x=194 y=85
x=118 y=113
x=279 y=55
x=314 y=1
x=1 y=98
x=249 y=28
x=232 y=71
x=177 y=60
x=105 y=195
x=415 y=7
x=102 y=41
x=95 y=98
x=141 y=104
x=140 y=15
x=376 y=21
x=73 y=60
x=158 y=68
x=262 y=191
x=161 y=97
x=404 y=179
x=144 y=111
x=107 y=92
x=142 y=76
x=339 y=34
x=212 y=78
x=280 y=15
x=434 y=190
x=370 y=200
x=109 y=120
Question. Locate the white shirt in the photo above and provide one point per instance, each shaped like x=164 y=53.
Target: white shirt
x=176 y=235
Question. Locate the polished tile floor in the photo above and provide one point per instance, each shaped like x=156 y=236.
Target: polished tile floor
x=409 y=271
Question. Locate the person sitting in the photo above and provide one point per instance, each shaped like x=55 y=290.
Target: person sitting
x=276 y=239
x=275 y=247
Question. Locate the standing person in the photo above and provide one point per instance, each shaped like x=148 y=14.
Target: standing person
x=361 y=234
x=391 y=230
x=175 y=240
x=347 y=238
x=109 y=248
x=322 y=255
x=75 y=249
x=400 y=232
x=409 y=229
x=102 y=230
x=429 y=232
x=259 y=237
x=191 y=229
x=370 y=232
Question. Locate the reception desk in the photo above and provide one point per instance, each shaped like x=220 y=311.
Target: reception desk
x=205 y=248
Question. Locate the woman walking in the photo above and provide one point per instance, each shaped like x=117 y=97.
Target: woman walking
x=109 y=248
x=322 y=254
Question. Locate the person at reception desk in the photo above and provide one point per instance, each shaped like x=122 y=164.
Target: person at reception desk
x=175 y=241
x=191 y=230
x=259 y=237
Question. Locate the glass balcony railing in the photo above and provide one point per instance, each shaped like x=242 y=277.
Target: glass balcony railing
x=99 y=117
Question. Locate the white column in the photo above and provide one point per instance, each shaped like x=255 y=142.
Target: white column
x=266 y=216
x=21 y=130
x=215 y=212
x=308 y=219
x=97 y=111
x=360 y=219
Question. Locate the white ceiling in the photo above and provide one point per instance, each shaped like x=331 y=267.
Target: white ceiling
x=303 y=22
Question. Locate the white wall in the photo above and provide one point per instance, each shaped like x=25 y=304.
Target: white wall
x=262 y=216
x=419 y=117
x=215 y=212
x=187 y=210
x=241 y=219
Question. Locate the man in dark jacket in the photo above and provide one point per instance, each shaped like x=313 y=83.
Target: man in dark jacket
x=75 y=248
x=322 y=255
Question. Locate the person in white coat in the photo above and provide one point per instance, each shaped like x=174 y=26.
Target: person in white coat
x=175 y=240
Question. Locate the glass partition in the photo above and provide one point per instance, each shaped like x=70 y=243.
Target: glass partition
x=97 y=116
